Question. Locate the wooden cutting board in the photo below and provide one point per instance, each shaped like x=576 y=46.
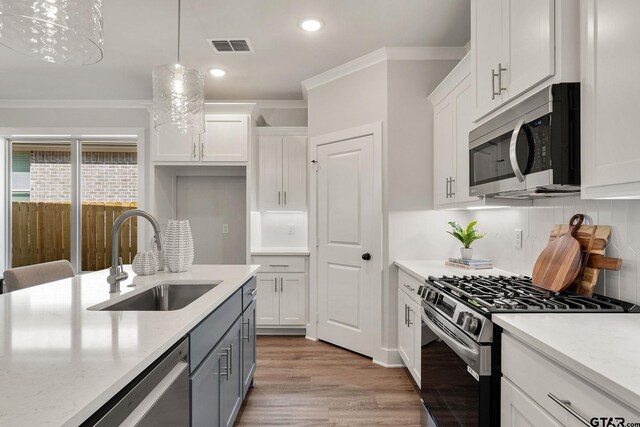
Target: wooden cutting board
x=560 y=262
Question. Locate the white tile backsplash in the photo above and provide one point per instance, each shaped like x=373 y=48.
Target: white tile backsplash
x=536 y=223
x=274 y=229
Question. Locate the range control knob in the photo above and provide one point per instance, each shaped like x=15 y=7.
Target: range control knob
x=431 y=295
x=471 y=323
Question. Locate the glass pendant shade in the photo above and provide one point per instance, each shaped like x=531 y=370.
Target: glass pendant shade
x=178 y=99
x=58 y=31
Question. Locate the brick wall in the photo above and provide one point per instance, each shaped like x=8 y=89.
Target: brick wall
x=106 y=177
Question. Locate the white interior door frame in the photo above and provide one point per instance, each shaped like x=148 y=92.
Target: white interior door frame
x=374 y=130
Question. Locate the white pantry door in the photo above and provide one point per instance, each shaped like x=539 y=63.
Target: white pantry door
x=346 y=221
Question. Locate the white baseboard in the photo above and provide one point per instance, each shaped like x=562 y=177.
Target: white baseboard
x=389 y=358
x=311 y=338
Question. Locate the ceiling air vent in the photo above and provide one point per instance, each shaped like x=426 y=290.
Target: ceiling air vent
x=231 y=45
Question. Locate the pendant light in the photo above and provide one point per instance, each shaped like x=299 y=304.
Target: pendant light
x=57 y=31
x=178 y=96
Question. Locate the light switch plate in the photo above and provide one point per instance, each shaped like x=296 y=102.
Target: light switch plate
x=292 y=229
x=225 y=228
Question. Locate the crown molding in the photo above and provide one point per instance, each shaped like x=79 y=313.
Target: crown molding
x=381 y=55
x=74 y=103
x=285 y=104
x=453 y=79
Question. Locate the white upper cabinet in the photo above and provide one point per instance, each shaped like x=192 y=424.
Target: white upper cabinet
x=486 y=53
x=294 y=172
x=270 y=172
x=282 y=173
x=170 y=146
x=609 y=98
x=226 y=139
x=529 y=45
x=452 y=102
x=519 y=46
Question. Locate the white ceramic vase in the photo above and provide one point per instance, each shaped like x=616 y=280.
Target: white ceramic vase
x=178 y=246
x=145 y=263
x=466 y=253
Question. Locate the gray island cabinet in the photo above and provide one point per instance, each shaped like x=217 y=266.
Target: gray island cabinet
x=223 y=359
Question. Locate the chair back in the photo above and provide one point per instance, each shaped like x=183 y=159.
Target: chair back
x=37 y=274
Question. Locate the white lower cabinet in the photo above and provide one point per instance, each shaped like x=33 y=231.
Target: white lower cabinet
x=518 y=410
x=536 y=391
x=282 y=295
x=409 y=326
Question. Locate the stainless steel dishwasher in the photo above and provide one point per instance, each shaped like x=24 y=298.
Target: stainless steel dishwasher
x=157 y=397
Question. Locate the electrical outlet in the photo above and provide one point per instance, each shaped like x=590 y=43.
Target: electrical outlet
x=225 y=228
x=517 y=238
x=292 y=229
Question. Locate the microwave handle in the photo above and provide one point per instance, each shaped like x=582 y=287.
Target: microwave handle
x=512 y=151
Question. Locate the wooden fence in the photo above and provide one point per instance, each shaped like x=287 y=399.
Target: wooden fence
x=41 y=232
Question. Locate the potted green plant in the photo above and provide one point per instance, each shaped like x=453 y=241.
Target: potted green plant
x=466 y=236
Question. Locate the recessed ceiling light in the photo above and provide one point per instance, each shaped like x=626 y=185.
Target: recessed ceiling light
x=217 y=72
x=311 y=24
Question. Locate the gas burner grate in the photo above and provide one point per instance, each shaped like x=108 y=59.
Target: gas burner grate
x=501 y=294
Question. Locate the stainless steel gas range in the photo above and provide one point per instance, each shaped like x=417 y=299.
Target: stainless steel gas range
x=460 y=381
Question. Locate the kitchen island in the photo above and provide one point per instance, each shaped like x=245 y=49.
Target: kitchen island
x=61 y=358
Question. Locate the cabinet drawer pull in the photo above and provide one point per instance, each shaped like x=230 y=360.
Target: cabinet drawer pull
x=278 y=265
x=405 y=315
x=566 y=405
x=230 y=361
x=226 y=372
x=275 y=283
x=195 y=150
x=253 y=292
x=409 y=287
x=202 y=150
x=500 y=70
x=248 y=323
x=452 y=192
x=278 y=198
x=285 y=198
x=409 y=322
x=493 y=84
x=281 y=284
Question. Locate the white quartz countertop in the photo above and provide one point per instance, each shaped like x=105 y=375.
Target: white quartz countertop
x=603 y=349
x=280 y=251
x=423 y=269
x=60 y=362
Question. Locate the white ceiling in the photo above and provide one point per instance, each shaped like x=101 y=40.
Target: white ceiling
x=140 y=34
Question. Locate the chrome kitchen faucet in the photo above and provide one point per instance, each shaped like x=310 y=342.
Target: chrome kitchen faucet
x=116 y=272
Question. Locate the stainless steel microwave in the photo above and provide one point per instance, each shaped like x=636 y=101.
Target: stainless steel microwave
x=531 y=150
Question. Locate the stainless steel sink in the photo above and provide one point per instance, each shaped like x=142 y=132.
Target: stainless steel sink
x=166 y=297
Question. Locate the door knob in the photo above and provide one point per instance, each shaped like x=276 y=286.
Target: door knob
x=366 y=256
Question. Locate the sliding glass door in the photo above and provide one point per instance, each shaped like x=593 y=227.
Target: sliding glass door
x=64 y=197
x=40 y=202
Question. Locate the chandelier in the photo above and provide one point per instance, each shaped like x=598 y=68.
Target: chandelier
x=178 y=96
x=57 y=31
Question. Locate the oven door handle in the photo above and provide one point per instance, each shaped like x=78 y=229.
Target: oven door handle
x=512 y=151
x=462 y=350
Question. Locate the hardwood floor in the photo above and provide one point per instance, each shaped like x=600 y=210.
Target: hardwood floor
x=304 y=383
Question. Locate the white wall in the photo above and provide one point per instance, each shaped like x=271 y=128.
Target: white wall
x=285 y=116
x=209 y=202
x=353 y=100
x=409 y=154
